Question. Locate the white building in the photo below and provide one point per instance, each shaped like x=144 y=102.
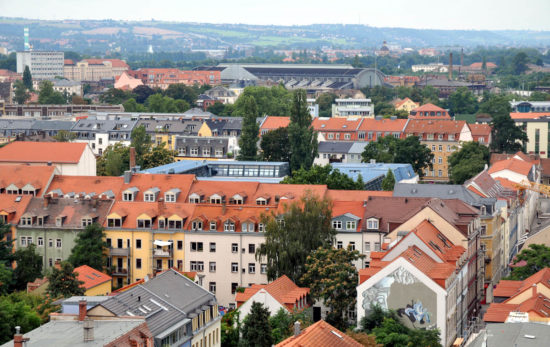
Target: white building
x=353 y=108
x=43 y=64
x=439 y=67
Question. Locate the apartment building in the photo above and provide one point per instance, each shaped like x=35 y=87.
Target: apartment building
x=42 y=64
x=354 y=108
x=162 y=78
x=94 y=69
x=535 y=125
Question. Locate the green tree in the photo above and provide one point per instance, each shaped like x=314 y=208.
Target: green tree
x=256 y=330
x=115 y=96
x=537 y=257
x=114 y=161
x=142 y=93
x=6 y=244
x=6 y=279
x=142 y=143
x=389 y=181
x=180 y=91
x=90 y=248
x=29 y=266
x=27 y=78
x=282 y=323
x=325 y=102
x=302 y=137
x=230 y=329
x=63 y=282
x=21 y=93
x=270 y=101
x=14 y=314
x=333 y=178
x=462 y=101
x=248 y=142
x=467 y=162
x=275 y=145
x=519 y=63
x=218 y=108
x=64 y=136
x=303 y=227
x=331 y=276
x=48 y=96
x=131 y=105
x=157 y=156
x=507 y=137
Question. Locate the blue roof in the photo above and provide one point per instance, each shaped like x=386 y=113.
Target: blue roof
x=370 y=171
x=242 y=179
x=176 y=167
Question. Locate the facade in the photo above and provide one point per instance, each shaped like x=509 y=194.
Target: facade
x=177 y=311
x=162 y=78
x=530 y=106
x=69 y=158
x=353 y=108
x=65 y=87
x=339 y=152
x=535 y=125
x=95 y=282
x=94 y=69
x=42 y=64
x=47 y=111
x=222 y=94
x=100 y=134
x=194 y=147
x=442 y=137
x=429 y=111
x=406 y=105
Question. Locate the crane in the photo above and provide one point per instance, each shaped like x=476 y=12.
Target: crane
x=532 y=186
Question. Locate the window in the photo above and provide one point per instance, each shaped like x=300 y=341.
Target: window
x=26 y=221
x=219 y=152
x=213 y=225
x=330 y=136
x=128 y=197
x=50 y=243
x=206 y=152
x=138 y=263
x=261 y=201
x=440 y=137
x=440 y=160
x=352 y=246
x=351 y=225
x=451 y=137
x=40 y=241
x=440 y=148
x=251 y=268
x=372 y=224
x=229 y=226
x=433 y=148
x=162 y=223
x=138 y=243
x=347 y=136
x=367 y=264
x=150 y=197
x=175 y=224
x=377 y=247
x=263 y=268
x=58 y=243
x=197 y=266
x=212 y=266
x=170 y=197
x=196 y=225
x=143 y=223
x=337 y=224
x=212 y=289
x=483 y=229
x=448 y=148
x=234 y=248
x=440 y=173
x=261 y=227
x=180 y=245
x=367 y=246
x=50 y=262
x=114 y=222
x=212 y=247
x=339 y=245
x=194 y=151
x=234 y=287
x=251 y=248
x=196 y=247
x=234 y=267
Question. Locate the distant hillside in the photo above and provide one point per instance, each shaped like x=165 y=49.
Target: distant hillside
x=93 y=36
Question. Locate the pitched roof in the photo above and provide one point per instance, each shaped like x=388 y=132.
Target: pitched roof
x=91 y=277
x=508 y=288
x=42 y=152
x=334 y=147
x=114 y=62
x=335 y=124
x=63 y=185
x=499 y=312
x=399 y=103
x=20 y=175
x=354 y=195
x=480 y=129
x=320 y=334
x=436 y=126
x=528 y=115
x=513 y=164
x=479 y=65
x=130 y=211
x=282 y=289
x=272 y=122
x=384 y=125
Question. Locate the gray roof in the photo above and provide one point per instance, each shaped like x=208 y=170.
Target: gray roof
x=19 y=124
x=513 y=334
x=183 y=127
x=165 y=300
x=201 y=141
x=441 y=191
x=62 y=333
x=334 y=147
x=89 y=126
x=358 y=147
x=53 y=125
x=197 y=112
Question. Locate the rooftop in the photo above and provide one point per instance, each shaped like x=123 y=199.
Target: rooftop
x=91 y=277
x=282 y=289
x=320 y=334
x=42 y=152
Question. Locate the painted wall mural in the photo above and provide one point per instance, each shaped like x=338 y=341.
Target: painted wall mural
x=401 y=291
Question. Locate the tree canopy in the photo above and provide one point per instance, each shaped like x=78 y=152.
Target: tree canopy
x=537 y=257
x=389 y=181
x=462 y=101
x=507 y=137
x=304 y=226
x=325 y=102
x=21 y=93
x=14 y=312
x=27 y=78
x=248 y=141
x=302 y=137
x=64 y=136
x=275 y=145
x=29 y=266
x=89 y=248
x=333 y=178
x=48 y=96
x=270 y=101
x=256 y=330
x=467 y=162
x=63 y=282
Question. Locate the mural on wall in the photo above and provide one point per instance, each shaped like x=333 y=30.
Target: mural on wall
x=414 y=302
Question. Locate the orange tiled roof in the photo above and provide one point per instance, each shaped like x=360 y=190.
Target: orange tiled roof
x=355 y=195
x=506 y=183
x=86 y=184
x=272 y=122
x=528 y=115
x=20 y=175
x=68 y=62
x=42 y=152
x=164 y=182
x=537 y=304
x=130 y=211
x=91 y=277
x=480 y=129
x=336 y=124
x=436 y=126
x=356 y=208
x=515 y=165
x=479 y=65
x=286 y=292
x=320 y=334
x=114 y=62
x=393 y=125
x=12 y=208
x=401 y=102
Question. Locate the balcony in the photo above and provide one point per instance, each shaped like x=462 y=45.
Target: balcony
x=162 y=253
x=118 y=271
x=119 y=252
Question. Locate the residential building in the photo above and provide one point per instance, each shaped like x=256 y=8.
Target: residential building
x=127 y=82
x=339 y=152
x=269 y=123
x=374 y=129
x=535 y=125
x=11 y=209
x=53 y=223
x=10 y=129
x=65 y=87
x=204 y=147
x=95 y=282
x=517 y=332
x=373 y=173
x=405 y=104
x=222 y=94
x=279 y=294
x=429 y=111
x=204 y=101
x=442 y=137
x=69 y=158
x=481 y=133
x=47 y=111
x=99 y=134
x=9 y=76
x=42 y=64
x=353 y=108
x=177 y=311
x=318 y=334
x=162 y=78
x=439 y=67
x=530 y=106
x=337 y=129
x=222 y=126
x=22 y=179
x=94 y=69
x=82 y=330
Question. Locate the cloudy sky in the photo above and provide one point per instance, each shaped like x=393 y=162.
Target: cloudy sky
x=429 y=14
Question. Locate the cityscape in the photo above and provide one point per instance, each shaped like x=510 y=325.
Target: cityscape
x=274 y=174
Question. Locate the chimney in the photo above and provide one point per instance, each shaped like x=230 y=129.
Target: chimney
x=46 y=201
x=534 y=288
x=88 y=330
x=18 y=339
x=132 y=157
x=127 y=176
x=82 y=307
x=297 y=330
x=451 y=66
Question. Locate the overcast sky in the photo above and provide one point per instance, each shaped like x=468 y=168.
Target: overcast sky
x=430 y=14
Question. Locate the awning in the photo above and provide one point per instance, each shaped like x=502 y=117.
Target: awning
x=162 y=243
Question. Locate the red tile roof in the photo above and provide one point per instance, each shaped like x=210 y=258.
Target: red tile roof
x=429 y=111
x=515 y=165
x=20 y=175
x=320 y=334
x=392 y=125
x=130 y=211
x=480 y=129
x=528 y=115
x=401 y=102
x=272 y=123
x=42 y=152
x=355 y=195
x=286 y=292
x=114 y=62
x=91 y=277
x=86 y=184
x=538 y=305
x=424 y=126
x=12 y=208
x=479 y=65
x=68 y=62
x=336 y=124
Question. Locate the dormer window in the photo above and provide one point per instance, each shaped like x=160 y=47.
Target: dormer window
x=215 y=199
x=194 y=198
x=41 y=220
x=130 y=194
x=114 y=222
x=237 y=199
x=26 y=220
x=196 y=225
x=451 y=137
x=143 y=223
x=149 y=197
x=12 y=189
x=162 y=223
x=261 y=201
x=86 y=221
x=351 y=225
x=59 y=221
x=175 y=224
x=213 y=225
x=429 y=136
x=229 y=226
x=337 y=224
x=440 y=137
x=172 y=195
x=372 y=224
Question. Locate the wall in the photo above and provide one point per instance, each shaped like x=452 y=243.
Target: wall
x=101 y=289
x=263 y=297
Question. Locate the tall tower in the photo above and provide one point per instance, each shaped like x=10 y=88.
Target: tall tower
x=26 y=36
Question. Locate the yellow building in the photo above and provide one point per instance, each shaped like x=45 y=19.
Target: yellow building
x=406 y=105
x=95 y=282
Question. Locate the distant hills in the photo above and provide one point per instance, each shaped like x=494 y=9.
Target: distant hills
x=98 y=36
